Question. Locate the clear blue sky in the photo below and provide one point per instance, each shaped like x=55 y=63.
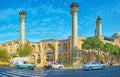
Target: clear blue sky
x=47 y=19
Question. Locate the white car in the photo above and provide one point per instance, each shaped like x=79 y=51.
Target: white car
x=93 y=65
x=57 y=66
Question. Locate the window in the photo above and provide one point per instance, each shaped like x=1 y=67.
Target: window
x=25 y=62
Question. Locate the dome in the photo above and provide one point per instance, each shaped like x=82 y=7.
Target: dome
x=116 y=35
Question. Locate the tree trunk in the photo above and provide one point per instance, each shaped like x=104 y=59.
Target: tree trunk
x=119 y=58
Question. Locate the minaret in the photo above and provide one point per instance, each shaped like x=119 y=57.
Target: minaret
x=22 y=30
x=98 y=31
x=74 y=12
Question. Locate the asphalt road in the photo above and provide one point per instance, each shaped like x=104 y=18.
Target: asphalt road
x=107 y=72
x=13 y=72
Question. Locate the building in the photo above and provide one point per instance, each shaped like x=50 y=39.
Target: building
x=55 y=50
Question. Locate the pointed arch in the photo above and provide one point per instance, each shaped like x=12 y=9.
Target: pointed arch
x=33 y=48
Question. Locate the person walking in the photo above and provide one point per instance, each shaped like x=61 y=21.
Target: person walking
x=111 y=63
x=45 y=65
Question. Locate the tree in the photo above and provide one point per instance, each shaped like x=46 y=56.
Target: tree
x=13 y=55
x=63 y=59
x=94 y=44
x=116 y=52
x=111 y=49
x=24 y=50
x=3 y=54
x=74 y=53
x=119 y=55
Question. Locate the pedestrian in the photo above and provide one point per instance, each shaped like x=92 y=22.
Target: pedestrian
x=45 y=65
x=49 y=65
x=111 y=63
x=101 y=62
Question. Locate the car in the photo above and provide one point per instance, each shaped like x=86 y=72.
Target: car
x=4 y=63
x=57 y=66
x=1 y=63
x=93 y=65
x=24 y=64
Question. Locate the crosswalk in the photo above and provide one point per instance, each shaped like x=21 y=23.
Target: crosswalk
x=22 y=73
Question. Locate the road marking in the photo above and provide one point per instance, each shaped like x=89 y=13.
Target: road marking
x=26 y=74
x=3 y=75
x=22 y=73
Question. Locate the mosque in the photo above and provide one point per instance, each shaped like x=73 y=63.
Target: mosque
x=55 y=50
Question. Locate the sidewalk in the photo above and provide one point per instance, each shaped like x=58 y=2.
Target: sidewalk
x=116 y=64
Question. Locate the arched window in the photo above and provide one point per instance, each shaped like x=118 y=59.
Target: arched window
x=38 y=56
x=39 y=49
x=16 y=46
x=33 y=58
x=3 y=46
x=10 y=48
x=65 y=46
x=59 y=47
x=33 y=47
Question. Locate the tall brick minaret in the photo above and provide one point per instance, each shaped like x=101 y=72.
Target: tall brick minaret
x=74 y=13
x=98 y=27
x=22 y=25
x=98 y=31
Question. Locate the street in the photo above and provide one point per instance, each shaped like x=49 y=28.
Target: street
x=108 y=72
x=14 y=72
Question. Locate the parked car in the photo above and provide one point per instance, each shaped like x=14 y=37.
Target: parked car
x=1 y=63
x=57 y=66
x=4 y=63
x=24 y=64
x=93 y=65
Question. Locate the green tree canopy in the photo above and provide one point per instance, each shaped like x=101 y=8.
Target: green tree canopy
x=111 y=49
x=118 y=51
x=74 y=52
x=93 y=43
x=63 y=59
x=107 y=47
x=115 y=50
x=24 y=50
x=3 y=54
